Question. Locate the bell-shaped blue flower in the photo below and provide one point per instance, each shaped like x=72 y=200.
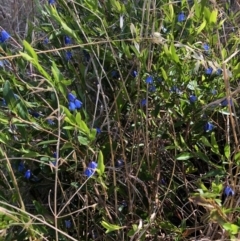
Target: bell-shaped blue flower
x=209 y=71
x=68 y=223
x=4 y=36
x=228 y=191
x=208 y=127
x=92 y=165
x=88 y=172
x=98 y=130
x=21 y=167
x=134 y=73
x=68 y=55
x=71 y=106
x=143 y=102
x=206 y=47
x=27 y=174
x=50 y=122
x=219 y=72
x=51 y=2
x=181 y=17
x=78 y=104
x=193 y=98
x=67 y=40
x=119 y=163
x=149 y=80
x=225 y=102
x=71 y=97
x=46 y=40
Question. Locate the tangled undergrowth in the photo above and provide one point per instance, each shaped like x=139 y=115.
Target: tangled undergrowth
x=119 y=121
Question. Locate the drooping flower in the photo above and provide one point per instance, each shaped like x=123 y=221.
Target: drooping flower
x=50 y=122
x=134 y=73
x=208 y=127
x=219 y=72
x=193 y=98
x=181 y=17
x=115 y=74
x=21 y=167
x=78 y=104
x=4 y=36
x=68 y=223
x=67 y=40
x=68 y=55
x=149 y=80
x=209 y=71
x=143 y=102
x=46 y=40
x=228 y=191
x=71 y=106
x=119 y=163
x=71 y=97
x=225 y=102
x=27 y=174
x=90 y=169
x=1 y=63
x=206 y=47
x=98 y=130
x=51 y=2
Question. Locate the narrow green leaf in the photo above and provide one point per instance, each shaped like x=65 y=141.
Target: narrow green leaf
x=184 y=156
x=227 y=152
x=30 y=50
x=213 y=17
x=202 y=26
x=101 y=166
x=110 y=227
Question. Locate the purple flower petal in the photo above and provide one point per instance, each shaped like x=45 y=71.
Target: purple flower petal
x=78 y=104
x=149 y=80
x=4 y=36
x=71 y=106
x=92 y=165
x=27 y=174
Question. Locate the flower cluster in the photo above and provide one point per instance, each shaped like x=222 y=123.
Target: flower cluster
x=73 y=102
x=90 y=169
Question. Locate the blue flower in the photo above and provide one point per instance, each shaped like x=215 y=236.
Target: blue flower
x=86 y=55
x=50 y=122
x=55 y=154
x=219 y=72
x=51 y=1
x=1 y=63
x=228 y=191
x=27 y=174
x=68 y=55
x=115 y=74
x=68 y=223
x=34 y=114
x=119 y=163
x=67 y=40
x=209 y=71
x=181 y=17
x=78 y=104
x=208 y=127
x=175 y=89
x=149 y=79
x=46 y=40
x=134 y=73
x=71 y=106
x=193 y=98
x=98 y=130
x=4 y=36
x=206 y=47
x=152 y=88
x=21 y=167
x=225 y=102
x=92 y=165
x=71 y=97
x=89 y=172
x=143 y=102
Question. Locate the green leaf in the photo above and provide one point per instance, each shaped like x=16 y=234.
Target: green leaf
x=101 y=166
x=110 y=227
x=172 y=51
x=214 y=148
x=202 y=26
x=231 y=228
x=184 y=156
x=213 y=16
x=205 y=141
x=30 y=50
x=227 y=150
x=83 y=140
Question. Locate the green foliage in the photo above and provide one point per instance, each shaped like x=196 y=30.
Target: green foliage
x=116 y=113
